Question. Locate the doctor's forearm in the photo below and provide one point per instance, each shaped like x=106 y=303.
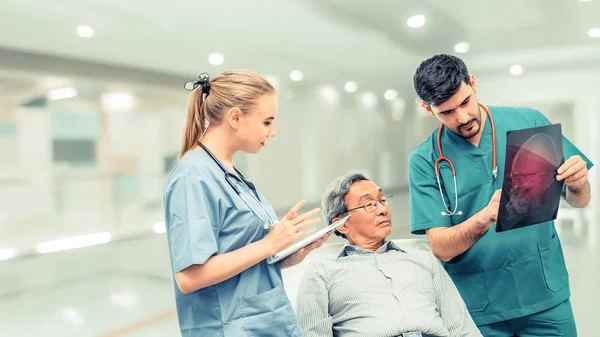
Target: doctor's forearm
x=448 y=242
x=581 y=198
x=221 y=267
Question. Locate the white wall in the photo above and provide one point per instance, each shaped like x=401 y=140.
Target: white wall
x=321 y=134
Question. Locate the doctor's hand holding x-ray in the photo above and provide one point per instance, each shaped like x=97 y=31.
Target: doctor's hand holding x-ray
x=574 y=173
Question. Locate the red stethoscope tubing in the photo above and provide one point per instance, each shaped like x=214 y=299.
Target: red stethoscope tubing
x=446 y=159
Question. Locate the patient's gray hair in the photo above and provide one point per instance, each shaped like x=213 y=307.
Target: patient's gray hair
x=333 y=204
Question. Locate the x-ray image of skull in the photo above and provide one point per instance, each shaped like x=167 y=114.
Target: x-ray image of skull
x=533 y=171
x=530 y=192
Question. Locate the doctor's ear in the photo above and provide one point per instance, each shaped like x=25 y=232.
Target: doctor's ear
x=233 y=117
x=473 y=83
x=427 y=108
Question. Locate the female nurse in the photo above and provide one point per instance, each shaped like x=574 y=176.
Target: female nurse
x=221 y=230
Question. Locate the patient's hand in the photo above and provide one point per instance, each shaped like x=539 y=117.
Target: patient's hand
x=301 y=254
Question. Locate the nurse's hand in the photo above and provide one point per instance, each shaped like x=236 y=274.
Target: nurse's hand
x=574 y=172
x=302 y=253
x=290 y=228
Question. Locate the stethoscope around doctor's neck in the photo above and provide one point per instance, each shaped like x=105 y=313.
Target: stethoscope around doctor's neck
x=446 y=159
x=230 y=177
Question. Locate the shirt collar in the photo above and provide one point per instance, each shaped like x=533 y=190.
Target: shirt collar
x=349 y=249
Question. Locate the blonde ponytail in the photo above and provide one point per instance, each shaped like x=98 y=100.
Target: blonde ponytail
x=194 y=124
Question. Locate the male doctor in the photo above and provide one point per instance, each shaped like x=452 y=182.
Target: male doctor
x=514 y=283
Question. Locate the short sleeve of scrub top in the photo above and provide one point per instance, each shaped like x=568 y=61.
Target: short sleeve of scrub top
x=569 y=149
x=191 y=227
x=424 y=210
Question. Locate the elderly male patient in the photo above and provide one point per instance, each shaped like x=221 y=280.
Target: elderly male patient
x=373 y=287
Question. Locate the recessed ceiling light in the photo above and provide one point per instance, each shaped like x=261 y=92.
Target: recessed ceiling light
x=330 y=94
x=296 y=75
x=351 y=86
x=416 y=21
x=216 y=59
x=369 y=99
x=461 y=47
x=390 y=95
x=85 y=31
x=517 y=69
x=61 y=93
x=594 y=33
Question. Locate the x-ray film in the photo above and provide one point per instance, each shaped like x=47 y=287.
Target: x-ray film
x=530 y=192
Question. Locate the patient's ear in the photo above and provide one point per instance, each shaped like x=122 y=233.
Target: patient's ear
x=343 y=229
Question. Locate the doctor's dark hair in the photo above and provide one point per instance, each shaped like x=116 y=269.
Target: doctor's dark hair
x=234 y=88
x=439 y=78
x=333 y=204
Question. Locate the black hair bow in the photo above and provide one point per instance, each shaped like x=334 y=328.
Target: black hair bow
x=203 y=80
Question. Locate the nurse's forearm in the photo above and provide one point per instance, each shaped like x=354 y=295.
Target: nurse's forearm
x=221 y=267
x=448 y=242
x=581 y=198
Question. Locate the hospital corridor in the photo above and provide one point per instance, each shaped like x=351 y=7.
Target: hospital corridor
x=92 y=116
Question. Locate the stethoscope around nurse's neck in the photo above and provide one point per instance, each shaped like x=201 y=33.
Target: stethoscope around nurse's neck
x=446 y=159
x=229 y=176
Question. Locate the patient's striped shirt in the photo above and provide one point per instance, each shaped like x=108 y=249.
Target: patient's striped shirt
x=383 y=293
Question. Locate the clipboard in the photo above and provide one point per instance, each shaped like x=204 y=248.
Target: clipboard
x=307 y=240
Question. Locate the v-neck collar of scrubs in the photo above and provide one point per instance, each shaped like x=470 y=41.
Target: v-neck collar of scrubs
x=245 y=184
x=485 y=143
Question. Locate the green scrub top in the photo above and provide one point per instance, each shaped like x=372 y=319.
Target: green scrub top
x=503 y=275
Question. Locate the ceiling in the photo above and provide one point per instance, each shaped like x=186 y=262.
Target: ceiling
x=331 y=41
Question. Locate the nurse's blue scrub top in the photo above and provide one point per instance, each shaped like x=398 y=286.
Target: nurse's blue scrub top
x=503 y=275
x=205 y=217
